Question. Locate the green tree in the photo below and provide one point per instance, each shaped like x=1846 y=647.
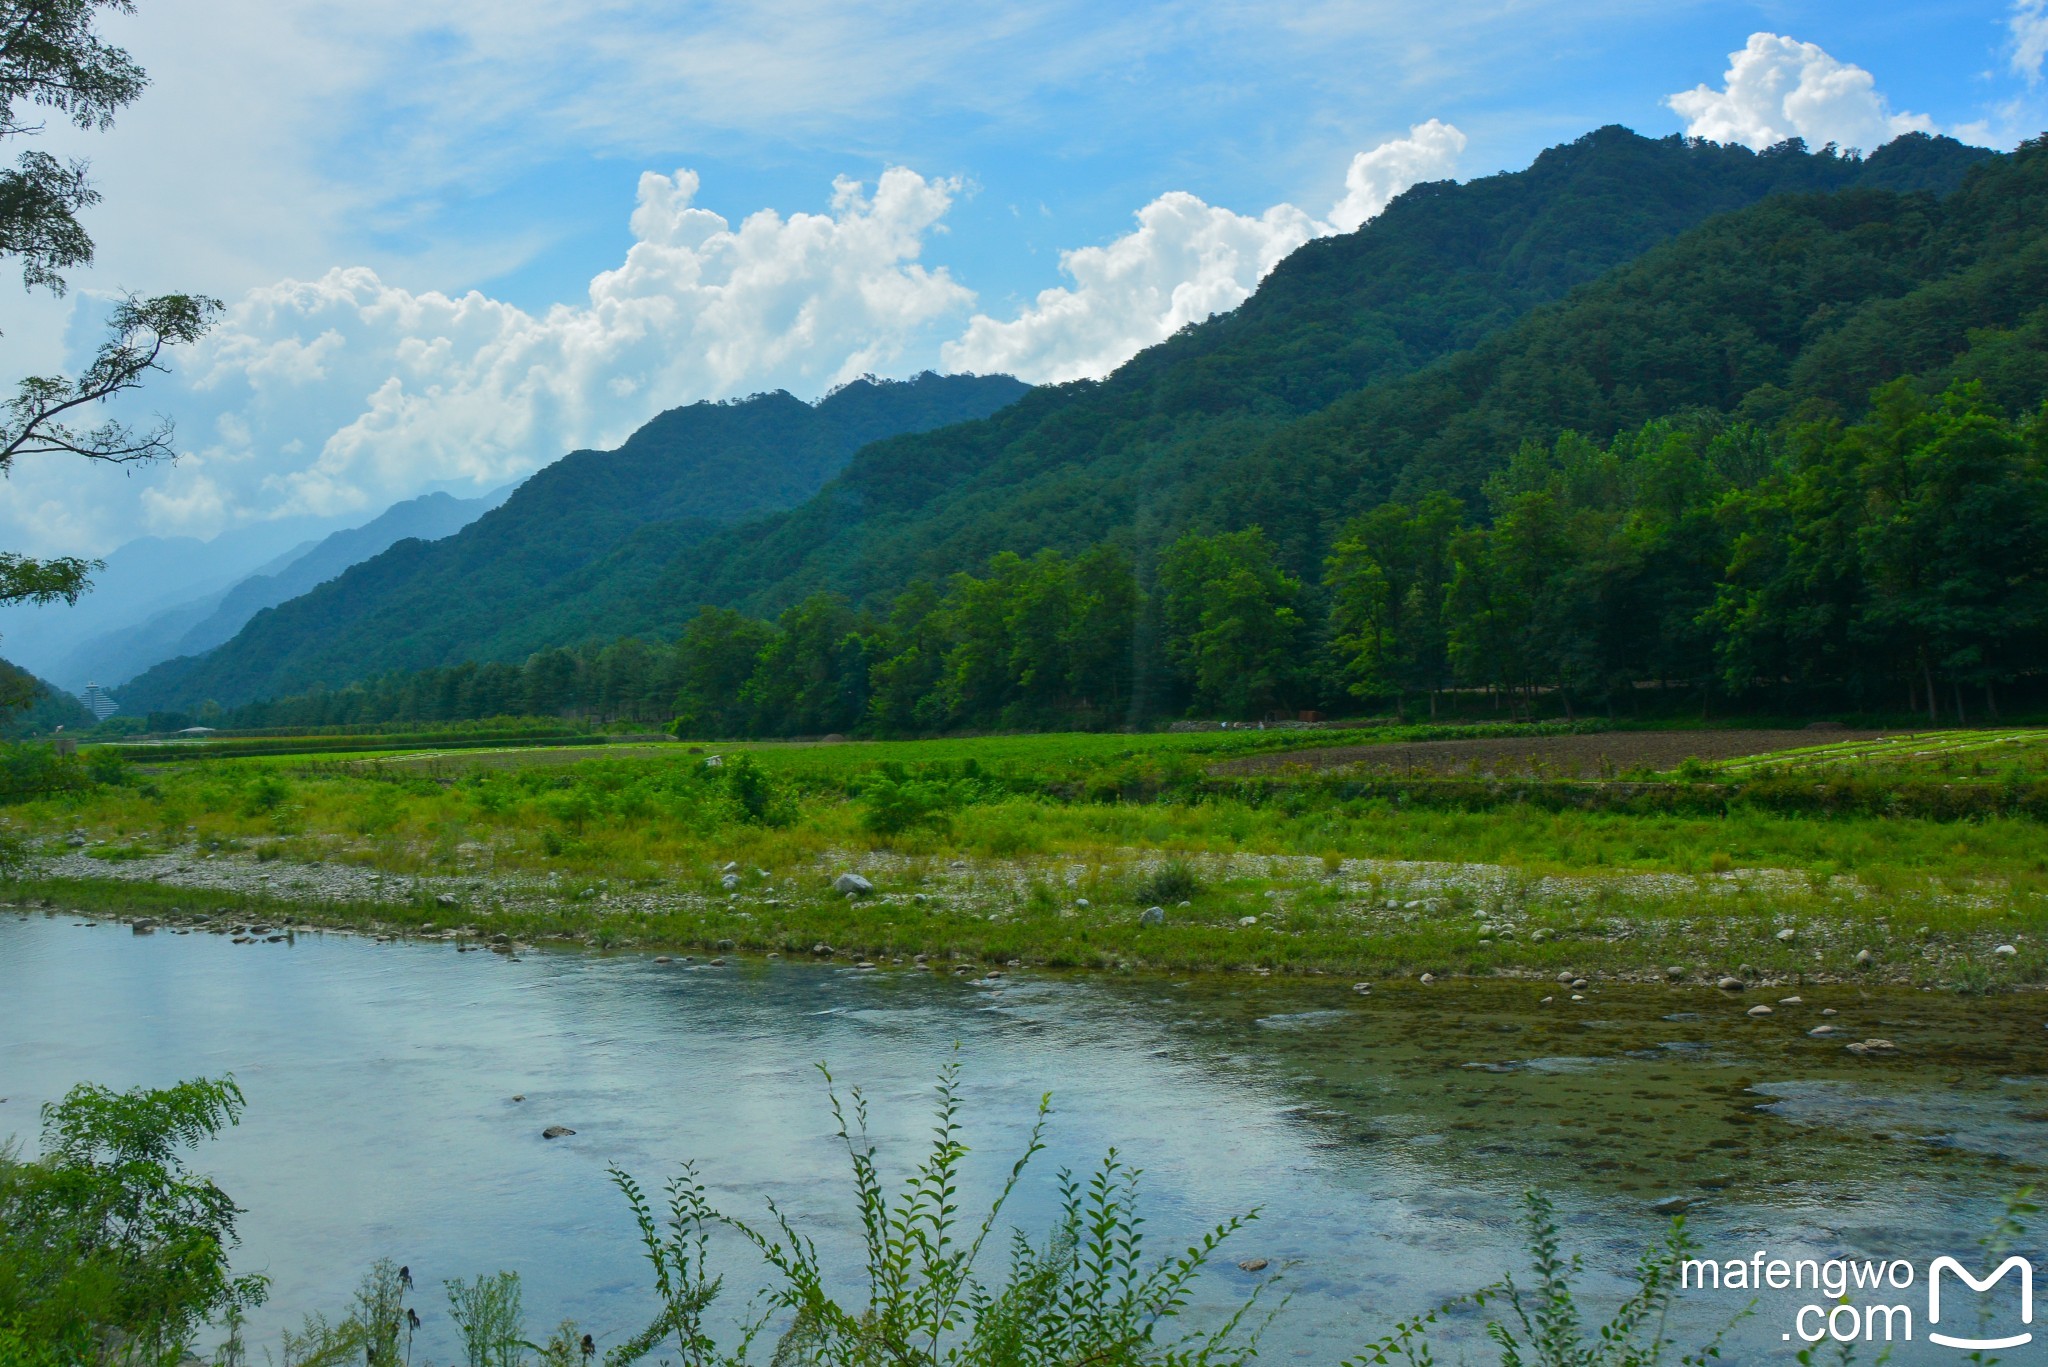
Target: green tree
x=52 y=58
x=1231 y=625
x=812 y=675
x=718 y=652
x=1387 y=578
x=108 y=1230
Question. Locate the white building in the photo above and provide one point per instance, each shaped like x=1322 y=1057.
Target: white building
x=99 y=702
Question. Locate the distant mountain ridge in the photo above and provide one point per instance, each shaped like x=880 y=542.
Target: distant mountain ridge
x=215 y=615
x=1165 y=442
x=485 y=593
x=1169 y=440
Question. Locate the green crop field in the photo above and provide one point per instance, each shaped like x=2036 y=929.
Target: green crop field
x=1052 y=849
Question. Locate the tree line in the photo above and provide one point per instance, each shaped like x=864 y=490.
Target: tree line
x=1896 y=563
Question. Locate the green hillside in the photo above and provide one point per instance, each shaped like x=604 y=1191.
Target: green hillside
x=1188 y=432
x=1180 y=436
x=482 y=593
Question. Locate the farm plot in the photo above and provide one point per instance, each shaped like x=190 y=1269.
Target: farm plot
x=1963 y=752
x=1609 y=754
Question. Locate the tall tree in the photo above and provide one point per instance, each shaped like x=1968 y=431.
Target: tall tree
x=53 y=59
x=1232 y=627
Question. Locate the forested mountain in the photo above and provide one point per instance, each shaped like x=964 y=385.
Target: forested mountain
x=1180 y=436
x=1794 y=457
x=206 y=620
x=494 y=589
x=1138 y=455
x=30 y=706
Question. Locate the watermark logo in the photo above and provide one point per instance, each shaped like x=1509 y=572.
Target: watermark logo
x=2012 y=1264
x=1860 y=1292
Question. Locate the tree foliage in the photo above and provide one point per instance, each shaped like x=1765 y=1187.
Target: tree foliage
x=108 y=1233
x=53 y=58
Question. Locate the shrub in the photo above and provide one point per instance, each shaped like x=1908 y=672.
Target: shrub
x=1173 y=881
x=893 y=805
x=1545 y=1326
x=1088 y=1294
x=107 y=1231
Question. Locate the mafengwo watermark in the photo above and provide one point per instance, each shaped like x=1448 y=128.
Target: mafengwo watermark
x=1944 y=1301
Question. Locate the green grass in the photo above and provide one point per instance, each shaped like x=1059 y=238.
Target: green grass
x=1045 y=849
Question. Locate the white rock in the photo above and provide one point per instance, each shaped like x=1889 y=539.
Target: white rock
x=852 y=884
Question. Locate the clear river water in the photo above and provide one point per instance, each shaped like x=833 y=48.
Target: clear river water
x=1384 y=1140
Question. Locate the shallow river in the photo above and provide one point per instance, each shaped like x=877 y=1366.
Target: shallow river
x=1384 y=1140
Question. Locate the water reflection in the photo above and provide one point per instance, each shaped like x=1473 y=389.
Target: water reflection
x=1385 y=1138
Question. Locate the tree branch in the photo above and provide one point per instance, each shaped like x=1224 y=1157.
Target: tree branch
x=138 y=333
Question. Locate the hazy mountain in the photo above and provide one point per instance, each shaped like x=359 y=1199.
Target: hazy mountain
x=496 y=589
x=205 y=620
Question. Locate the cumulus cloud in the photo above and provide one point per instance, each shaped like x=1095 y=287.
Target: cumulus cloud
x=1430 y=150
x=1778 y=88
x=338 y=393
x=2029 y=37
x=1186 y=261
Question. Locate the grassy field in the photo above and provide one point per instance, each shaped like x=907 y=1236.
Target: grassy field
x=1049 y=850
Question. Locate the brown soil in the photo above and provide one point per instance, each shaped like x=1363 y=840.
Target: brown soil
x=1605 y=755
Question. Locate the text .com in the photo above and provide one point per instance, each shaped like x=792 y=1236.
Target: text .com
x=1863 y=1300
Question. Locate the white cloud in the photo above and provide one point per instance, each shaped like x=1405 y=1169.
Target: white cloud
x=1430 y=149
x=328 y=395
x=2029 y=37
x=336 y=394
x=1778 y=88
x=1186 y=261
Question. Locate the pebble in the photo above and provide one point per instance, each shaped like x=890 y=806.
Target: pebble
x=1247 y=920
x=1790 y=1001
x=1675 y=971
x=1361 y=988
x=1821 y=1031
x=556 y=1132
x=1252 y=1265
x=2005 y=951
x=1829 y=1011
x=1730 y=984
x=1873 y=1046
x=1429 y=977
x=1864 y=958
x=1152 y=916
x=1759 y=1010
x=1787 y=935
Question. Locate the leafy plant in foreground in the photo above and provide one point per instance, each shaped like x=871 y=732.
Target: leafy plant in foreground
x=106 y=1237
x=1545 y=1326
x=1088 y=1294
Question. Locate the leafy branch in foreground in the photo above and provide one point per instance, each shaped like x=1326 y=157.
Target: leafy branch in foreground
x=108 y=1233
x=39 y=418
x=1088 y=1295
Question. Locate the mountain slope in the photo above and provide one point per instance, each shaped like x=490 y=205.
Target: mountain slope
x=430 y=517
x=478 y=594
x=1129 y=458
x=206 y=620
x=1444 y=268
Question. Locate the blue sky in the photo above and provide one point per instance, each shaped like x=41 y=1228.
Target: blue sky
x=346 y=175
